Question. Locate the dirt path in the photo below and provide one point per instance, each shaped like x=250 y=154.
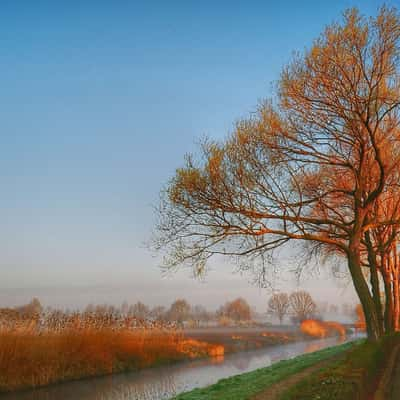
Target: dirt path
x=278 y=388
x=388 y=387
x=394 y=385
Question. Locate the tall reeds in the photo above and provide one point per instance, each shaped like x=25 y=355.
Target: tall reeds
x=31 y=359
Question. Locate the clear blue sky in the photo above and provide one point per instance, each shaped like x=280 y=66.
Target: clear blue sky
x=99 y=102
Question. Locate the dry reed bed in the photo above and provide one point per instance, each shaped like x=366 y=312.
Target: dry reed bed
x=29 y=359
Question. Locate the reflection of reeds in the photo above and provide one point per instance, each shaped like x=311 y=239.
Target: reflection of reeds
x=164 y=389
x=312 y=347
x=30 y=359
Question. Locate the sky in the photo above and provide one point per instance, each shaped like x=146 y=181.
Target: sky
x=99 y=103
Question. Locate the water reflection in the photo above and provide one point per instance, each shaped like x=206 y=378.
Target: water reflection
x=217 y=359
x=106 y=388
x=165 y=382
x=313 y=347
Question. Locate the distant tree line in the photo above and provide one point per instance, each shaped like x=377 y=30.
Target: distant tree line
x=180 y=314
x=300 y=306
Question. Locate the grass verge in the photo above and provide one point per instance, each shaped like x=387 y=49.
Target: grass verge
x=355 y=377
x=244 y=386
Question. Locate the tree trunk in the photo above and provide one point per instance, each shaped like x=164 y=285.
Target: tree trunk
x=388 y=302
x=396 y=305
x=375 y=283
x=377 y=298
x=396 y=293
x=364 y=295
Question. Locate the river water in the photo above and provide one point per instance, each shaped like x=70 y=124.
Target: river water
x=164 y=382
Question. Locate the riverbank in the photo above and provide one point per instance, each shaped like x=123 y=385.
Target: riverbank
x=166 y=381
x=247 y=385
x=355 y=370
x=358 y=376
x=30 y=360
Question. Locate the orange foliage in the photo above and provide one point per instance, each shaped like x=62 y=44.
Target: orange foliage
x=195 y=348
x=336 y=327
x=322 y=329
x=217 y=351
x=313 y=328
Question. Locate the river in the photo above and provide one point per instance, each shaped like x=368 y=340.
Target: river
x=164 y=382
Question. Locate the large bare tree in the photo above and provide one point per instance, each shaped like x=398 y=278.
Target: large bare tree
x=311 y=165
x=302 y=305
x=278 y=305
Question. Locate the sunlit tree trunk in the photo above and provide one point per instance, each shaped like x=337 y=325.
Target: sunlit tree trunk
x=374 y=279
x=363 y=292
x=396 y=306
x=395 y=282
x=390 y=275
x=388 y=300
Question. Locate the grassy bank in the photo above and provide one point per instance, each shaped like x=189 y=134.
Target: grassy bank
x=31 y=360
x=352 y=378
x=244 y=386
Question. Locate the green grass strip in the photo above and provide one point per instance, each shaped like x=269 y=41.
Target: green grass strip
x=241 y=387
x=353 y=377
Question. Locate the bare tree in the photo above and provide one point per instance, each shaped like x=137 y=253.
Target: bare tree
x=278 y=305
x=179 y=311
x=34 y=307
x=302 y=305
x=139 y=310
x=200 y=314
x=312 y=165
x=124 y=308
x=237 y=310
x=159 y=313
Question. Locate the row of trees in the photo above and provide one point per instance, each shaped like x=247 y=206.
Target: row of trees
x=319 y=164
x=345 y=310
x=180 y=311
x=300 y=305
